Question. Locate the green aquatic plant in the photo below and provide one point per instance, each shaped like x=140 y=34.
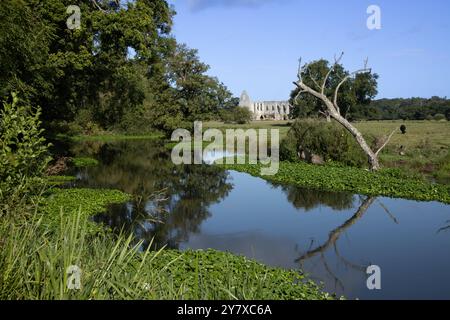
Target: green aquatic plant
x=71 y=201
x=387 y=182
x=37 y=263
x=59 y=180
x=81 y=162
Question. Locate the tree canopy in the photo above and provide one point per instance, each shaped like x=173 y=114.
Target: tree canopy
x=355 y=94
x=122 y=67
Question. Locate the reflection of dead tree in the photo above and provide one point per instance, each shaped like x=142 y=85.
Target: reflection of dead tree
x=388 y=212
x=444 y=228
x=349 y=263
x=337 y=282
x=332 y=240
x=336 y=233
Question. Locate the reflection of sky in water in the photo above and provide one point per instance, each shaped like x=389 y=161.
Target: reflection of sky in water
x=256 y=220
x=211 y=156
x=279 y=224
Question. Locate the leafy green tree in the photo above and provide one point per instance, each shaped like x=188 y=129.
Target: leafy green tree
x=355 y=94
x=24 y=50
x=122 y=69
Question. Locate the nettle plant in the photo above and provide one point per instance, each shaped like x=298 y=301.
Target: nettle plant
x=23 y=151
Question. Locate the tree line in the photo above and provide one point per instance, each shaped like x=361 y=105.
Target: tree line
x=435 y=108
x=356 y=98
x=123 y=69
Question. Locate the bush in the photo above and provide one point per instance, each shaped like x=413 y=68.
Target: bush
x=84 y=123
x=439 y=117
x=327 y=139
x=23 y=152
x=237 y=115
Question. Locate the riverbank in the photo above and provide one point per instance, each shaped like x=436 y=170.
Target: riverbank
x=387 y=182
x=109 y=137
x=38 y=253
x=423 y=150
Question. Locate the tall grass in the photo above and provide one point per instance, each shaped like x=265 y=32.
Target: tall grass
x=34 y=261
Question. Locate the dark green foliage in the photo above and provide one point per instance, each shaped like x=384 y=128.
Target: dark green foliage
x=237 y=115
x=86 y=202
x=327 y=139
x=355 y=94
x=439 y=117
x=23 y=152
x=407 y=109
x=121 y=71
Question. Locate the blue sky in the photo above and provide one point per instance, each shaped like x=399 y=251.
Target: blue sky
x=255 y=44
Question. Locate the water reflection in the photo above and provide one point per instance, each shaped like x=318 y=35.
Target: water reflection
x=169 y=202
x=332 y=243
x=331 y=236
x=306 y=199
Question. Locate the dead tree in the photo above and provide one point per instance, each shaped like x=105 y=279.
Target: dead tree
x=331 y=107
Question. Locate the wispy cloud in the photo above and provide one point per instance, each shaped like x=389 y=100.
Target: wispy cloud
x=198 y=5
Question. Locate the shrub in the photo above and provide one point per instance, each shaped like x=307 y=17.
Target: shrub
x=439 y=117
x=327 y=139
x=237 y=115
x=23 y=152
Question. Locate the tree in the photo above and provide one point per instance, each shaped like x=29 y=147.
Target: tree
x=355 y=94
x=94 y=67
x=199 y=95
x=331 y=107
x=121 y=69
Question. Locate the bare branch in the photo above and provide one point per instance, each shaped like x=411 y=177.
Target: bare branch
x=336 y=62
x=386 y=142
x=300 y=70
x=117 y=2
x=336 y=92
x=335 y=113
x=98 y=6
x=298 y=94
x=315 y=82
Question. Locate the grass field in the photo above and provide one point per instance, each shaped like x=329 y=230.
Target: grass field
x=435 y=132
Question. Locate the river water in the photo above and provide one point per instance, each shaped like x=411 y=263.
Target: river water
x=333 y=237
